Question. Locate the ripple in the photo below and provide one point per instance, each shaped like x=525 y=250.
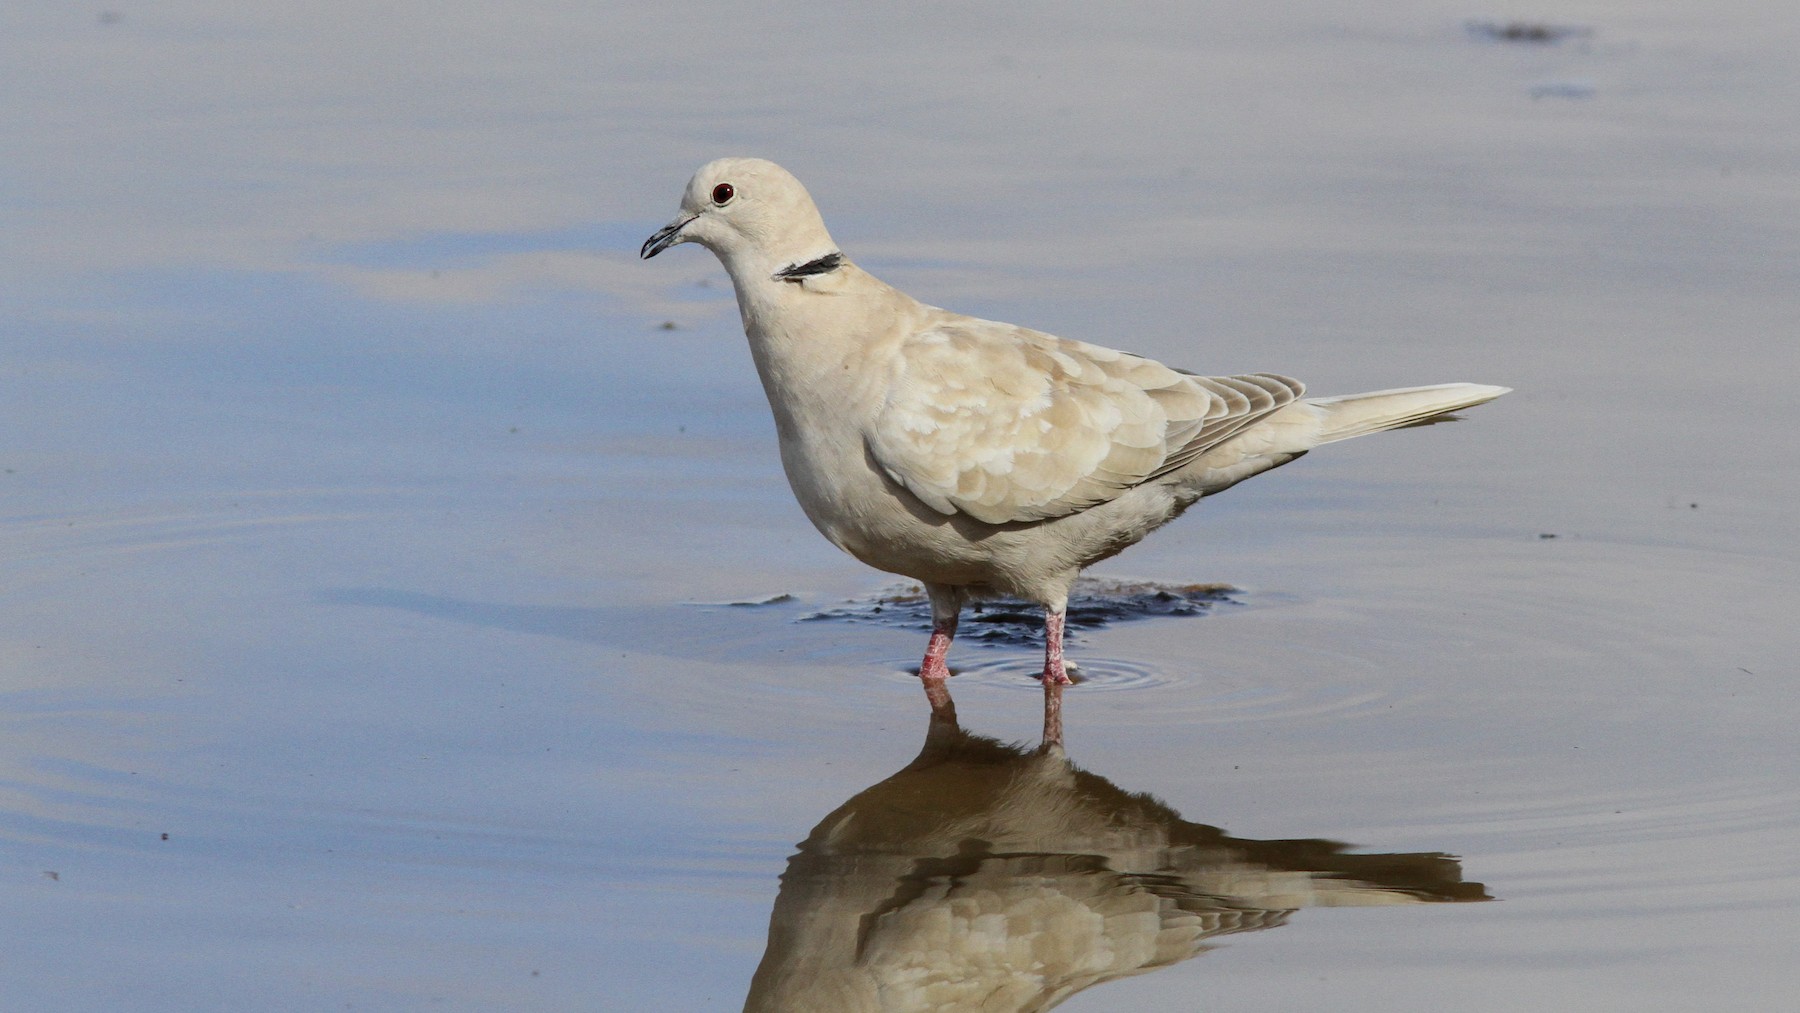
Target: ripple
x=1204 y=698
x=1232 y=701
x=1021 y=672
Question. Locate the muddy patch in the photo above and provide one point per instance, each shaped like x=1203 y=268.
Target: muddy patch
x=1097 y=602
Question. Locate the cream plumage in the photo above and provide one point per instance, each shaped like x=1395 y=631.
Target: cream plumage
x=982 y=457
x=1007 y=424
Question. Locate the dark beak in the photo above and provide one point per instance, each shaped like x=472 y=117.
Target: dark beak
x=664 y=238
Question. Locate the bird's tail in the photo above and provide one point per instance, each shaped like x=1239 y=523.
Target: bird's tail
x=1361 y=414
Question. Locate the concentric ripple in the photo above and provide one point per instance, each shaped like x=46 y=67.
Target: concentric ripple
x=1090 y=674
x=1205 y=697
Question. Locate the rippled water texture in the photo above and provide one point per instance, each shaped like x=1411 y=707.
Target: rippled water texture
x=402 y=607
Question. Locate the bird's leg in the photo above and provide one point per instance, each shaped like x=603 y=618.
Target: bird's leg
x=934 y=673
x=934 y=668
x=1054 y=673
x=946 y=609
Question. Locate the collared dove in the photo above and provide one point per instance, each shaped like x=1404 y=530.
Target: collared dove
x=984 y=458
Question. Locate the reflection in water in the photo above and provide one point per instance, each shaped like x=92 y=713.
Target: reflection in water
x=987 y=876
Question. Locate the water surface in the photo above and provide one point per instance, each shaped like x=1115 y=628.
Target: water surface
x=372 y=520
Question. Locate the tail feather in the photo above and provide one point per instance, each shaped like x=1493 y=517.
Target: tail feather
x=1361 y=414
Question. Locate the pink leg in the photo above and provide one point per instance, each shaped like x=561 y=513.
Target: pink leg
x=934 y=669
x=946 y=609
x=1054 y=674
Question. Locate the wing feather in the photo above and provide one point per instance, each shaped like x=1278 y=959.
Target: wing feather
x=1006 y=424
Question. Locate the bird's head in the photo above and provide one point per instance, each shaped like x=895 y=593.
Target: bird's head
x=747 y=211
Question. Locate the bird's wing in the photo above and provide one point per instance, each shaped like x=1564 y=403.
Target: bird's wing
x=1006 y=424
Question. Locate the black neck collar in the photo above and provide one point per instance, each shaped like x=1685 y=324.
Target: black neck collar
x=819 y=265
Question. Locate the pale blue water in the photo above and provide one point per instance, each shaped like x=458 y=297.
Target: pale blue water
x=363 y=530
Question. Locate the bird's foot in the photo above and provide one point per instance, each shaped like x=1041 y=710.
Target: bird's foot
x=1056 y=675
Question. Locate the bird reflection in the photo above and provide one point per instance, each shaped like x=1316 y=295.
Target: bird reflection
x=986 y=876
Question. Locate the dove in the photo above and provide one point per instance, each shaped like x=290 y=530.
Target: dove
x=981 y=458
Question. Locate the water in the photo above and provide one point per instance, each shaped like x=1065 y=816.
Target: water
x=372 y=519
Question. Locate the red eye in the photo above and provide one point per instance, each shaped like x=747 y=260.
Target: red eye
x=722 y=193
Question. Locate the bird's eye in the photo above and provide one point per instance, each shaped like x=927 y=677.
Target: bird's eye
x=723 y=193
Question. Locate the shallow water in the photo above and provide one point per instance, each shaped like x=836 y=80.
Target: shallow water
x=373 y=628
